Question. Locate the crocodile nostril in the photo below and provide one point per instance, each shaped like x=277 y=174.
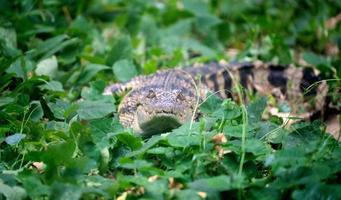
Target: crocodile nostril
x=167 y=111
x=180 y=97
x=151 y=94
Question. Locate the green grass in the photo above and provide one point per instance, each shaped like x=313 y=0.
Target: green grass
x=55 y=146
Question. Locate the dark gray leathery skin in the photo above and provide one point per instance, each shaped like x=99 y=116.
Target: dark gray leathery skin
x=160 y=102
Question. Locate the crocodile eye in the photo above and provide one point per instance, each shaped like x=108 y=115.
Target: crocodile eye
x=151 y=94
x=180 y=96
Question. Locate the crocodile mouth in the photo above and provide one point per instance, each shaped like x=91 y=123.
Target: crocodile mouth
x=160 y=123
x=156 y=121
x=162 y=112
x=166 y=113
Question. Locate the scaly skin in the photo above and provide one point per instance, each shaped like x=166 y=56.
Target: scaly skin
x=165 y=100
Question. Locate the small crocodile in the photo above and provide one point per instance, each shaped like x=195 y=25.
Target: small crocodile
x=162 y=101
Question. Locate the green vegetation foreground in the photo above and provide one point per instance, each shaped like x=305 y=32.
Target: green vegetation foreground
x=54 y=145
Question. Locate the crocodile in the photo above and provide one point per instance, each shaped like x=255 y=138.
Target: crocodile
x=165 y=100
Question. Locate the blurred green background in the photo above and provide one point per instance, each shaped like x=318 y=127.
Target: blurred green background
x=153 y=34
x=55 y=52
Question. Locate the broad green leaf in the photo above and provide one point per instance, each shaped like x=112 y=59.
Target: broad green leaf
x=196 y=46
x=159 y=150
x=81 y=165
x=6 y=100
x=47 y=67
x=9 y=36
x=220 y=110
x=272 y=132
x=207 y=21
x=217 y=183
x=102 y=127
x=54 y=86
x=257 y=147
x=147 y=145
x=65 y=191
x=157 y=188
x=90 y=70
x=236 y=131
x=315 y=59
x=59 y=153
x=136 y=179
x=34 y=187
x=15 y=138
x=124 y=70
x=96 y=109
x=184 y=140
x=211 y=104
x=8 y=43
x=197 y=7
x=48 y=45
x=36 y=111
x=266 y=193
x=133 y=141
x=95 y=90
x=149 y=29
x=121 y=50
x=3 y=131
x=255 y=109
x=81 y=24
x=12 y=192
x=318 y=190
x=59 y=108
x=293 y=157
x=228 y=114
x=133 y=164
x=188 y=194
x=52 y=46
x=61 y=190
x=179 y=28
x=184 y=136
x=150 y=66
x=173 y=43
x=18 y=68
x=300 y=133
x=41 y=29
x=103 y=131
x=58 y=126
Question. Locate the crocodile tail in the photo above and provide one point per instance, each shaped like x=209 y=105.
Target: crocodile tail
x=301 y=87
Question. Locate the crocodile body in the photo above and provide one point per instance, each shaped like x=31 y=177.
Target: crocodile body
x=160 y=102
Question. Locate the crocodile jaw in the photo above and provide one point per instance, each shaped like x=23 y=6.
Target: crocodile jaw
x=154 y=122
x=159 y=124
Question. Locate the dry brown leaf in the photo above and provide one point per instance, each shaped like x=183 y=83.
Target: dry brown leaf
x=153 y=178
x=40 y=166
x=332 y=22
x=202 y=194
x=221 y=151
x=123 y=196
x=219 y=138
x=173 y=184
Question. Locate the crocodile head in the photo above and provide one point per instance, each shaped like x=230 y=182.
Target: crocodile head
x=159 y=110
x=162 y=110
